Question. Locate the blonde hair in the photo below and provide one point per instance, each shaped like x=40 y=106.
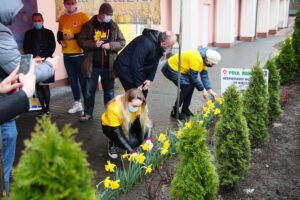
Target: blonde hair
x=129 y=96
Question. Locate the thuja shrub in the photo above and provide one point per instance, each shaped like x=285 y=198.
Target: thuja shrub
x=274 y=108
x=232 y=140
x=195 y=177
x=296 y=38
x=52 y=166
x=255 y=103
x=286 y=62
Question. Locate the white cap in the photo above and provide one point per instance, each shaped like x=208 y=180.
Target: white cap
x=213 y=56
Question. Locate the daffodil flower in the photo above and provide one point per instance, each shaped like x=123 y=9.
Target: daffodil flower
x=140 y=158
x=205 y=109
x=115 y=184
x=205 y=115
x=201 y=122
x=148 y=169
x=145 y=147
x=163 y=151
x=110 y=167
x=210 y=104
x=162 y=137
x=217 y=111
x=166 y=144
x=220 y=100
x=180 y=133
x=125 y=156
x=106 y=182
x=188 y=125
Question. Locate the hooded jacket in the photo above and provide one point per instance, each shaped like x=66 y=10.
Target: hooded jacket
x=139 y=59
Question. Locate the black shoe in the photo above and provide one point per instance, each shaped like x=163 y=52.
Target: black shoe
x=112 y=151
x=173 y=114
x=187 y=113
x=85 y=117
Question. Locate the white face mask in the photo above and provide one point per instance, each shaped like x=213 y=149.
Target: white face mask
x=133 y=109
x=107 y=18
x=71 y=8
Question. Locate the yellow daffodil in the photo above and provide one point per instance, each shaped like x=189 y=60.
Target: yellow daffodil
x=163 y=151
x=140 y=158
x=97 y=35
x=220 y=100
x=205 y=115
x=103 y=35
x=106 y=182
x=125 y=156
x=145 y=147
x=166 y=144
x=162 y=137
x=201 y=122
x=110 y=167
x=210 y=104
x=115 y=184
x=148 y=169
x=205 y=109
x=217 y=111
x=180 y=133
x=188 y=125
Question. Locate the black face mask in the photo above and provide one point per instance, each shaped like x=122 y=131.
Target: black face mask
x=8 y=10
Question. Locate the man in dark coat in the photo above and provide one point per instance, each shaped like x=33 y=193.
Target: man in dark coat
x=136 y=65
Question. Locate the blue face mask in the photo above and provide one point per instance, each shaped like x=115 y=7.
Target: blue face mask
x=38 y=25
x=107 y=18
x=133 y=109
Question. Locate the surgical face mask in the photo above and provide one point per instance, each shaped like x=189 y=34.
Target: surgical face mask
x=133 y=109
x=71 y=8
x=8 y=10
x=107 y=18
x=38 y=25
x=168 y=49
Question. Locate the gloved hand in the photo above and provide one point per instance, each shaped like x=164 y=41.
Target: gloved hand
x=150 y=144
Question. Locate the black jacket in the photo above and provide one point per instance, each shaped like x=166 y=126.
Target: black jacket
x=39 y=42
x=139 y=59
x=13 y=105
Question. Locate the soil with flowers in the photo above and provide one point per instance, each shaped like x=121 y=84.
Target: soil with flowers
x=274 y=170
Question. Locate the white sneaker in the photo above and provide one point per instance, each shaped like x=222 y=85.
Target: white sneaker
x=76 y=107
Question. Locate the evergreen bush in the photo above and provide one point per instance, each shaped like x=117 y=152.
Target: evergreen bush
x=255 y=103
x=196 y=177
x=286 y=62
x=296 y=38
x=274 y=108
x=52 y=167
x=232 y=140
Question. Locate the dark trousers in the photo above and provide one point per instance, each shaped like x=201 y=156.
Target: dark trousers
x=108 y=85
x=186 y=88
x=43 y=93
x=129 y=85
x=135 y=138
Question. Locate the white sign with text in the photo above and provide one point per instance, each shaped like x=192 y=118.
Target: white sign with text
x=240 y=77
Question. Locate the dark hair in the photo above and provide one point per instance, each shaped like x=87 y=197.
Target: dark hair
x=67 y=0
x=135 y=94
x=37 y=14
x=166 y=36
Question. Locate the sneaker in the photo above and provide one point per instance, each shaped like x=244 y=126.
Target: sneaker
x=76 y=107
x=85 y=117
x=112 y=151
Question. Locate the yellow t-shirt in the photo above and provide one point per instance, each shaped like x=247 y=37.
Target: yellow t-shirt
x=190 y=59
x=71 y=24
x=113 y=115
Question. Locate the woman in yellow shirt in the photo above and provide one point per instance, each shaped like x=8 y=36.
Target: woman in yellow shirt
x=193 y=62
x=126 y=122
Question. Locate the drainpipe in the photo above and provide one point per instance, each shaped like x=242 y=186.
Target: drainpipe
x=256 y=16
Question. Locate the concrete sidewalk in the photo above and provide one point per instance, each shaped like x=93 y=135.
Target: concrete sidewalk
x=160 y=99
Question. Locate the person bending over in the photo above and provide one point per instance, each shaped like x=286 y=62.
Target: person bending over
x=126 y=122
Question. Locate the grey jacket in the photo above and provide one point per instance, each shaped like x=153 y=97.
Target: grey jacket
x=10 y=56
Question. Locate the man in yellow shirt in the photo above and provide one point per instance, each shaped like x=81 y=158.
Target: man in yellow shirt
x=193 y=62
x=70 y=25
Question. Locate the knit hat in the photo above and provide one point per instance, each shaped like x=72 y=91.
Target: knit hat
x=106 y=8
x=213 y=56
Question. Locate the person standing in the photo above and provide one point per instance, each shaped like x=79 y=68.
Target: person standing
x=136 y=65
x=101 y=39
x=70 y=25
x=40 y=42
x=193 y=62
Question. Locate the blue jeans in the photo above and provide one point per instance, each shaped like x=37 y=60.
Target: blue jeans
x=73 y=67
x=108 y=85
x=9 y=139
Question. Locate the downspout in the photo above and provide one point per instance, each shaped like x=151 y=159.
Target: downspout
x=256 y=16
